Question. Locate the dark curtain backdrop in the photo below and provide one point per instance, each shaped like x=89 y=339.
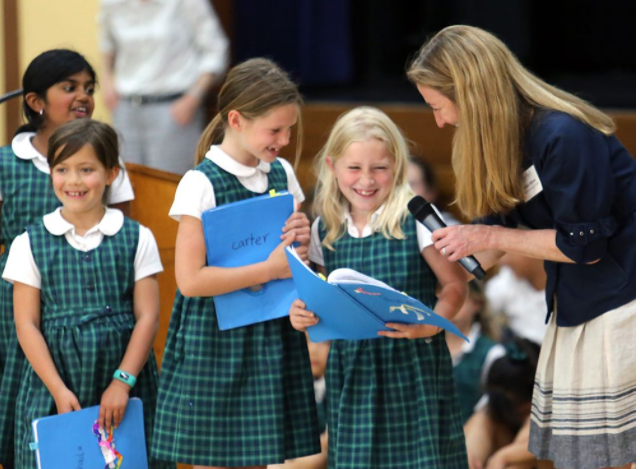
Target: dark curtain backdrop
x=359 y=49
x=309 y=38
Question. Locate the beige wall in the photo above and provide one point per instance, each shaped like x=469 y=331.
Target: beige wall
x=67 y=24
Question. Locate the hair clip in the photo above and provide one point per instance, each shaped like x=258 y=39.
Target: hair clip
x=515 y=353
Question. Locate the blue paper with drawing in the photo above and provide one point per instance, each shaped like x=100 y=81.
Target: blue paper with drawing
x=353 y=306
x=244 y=233
x=68 y=441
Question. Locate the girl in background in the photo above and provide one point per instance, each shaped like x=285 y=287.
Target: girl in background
x=85 y=294
x=498 y=433
x=391 y=400
x=240 y=397
x=58 y=87
x=472 y=360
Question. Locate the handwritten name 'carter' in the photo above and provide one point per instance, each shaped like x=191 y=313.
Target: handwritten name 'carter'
x=250 y=241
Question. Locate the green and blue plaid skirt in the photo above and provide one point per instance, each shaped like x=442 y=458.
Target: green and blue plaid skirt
x=392 y=402
x=27 y=196
x=87 y=320
x=240 y=397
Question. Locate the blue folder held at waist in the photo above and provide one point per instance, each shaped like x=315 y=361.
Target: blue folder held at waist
x=244 y=233
x=353 y=306
x=67 y=441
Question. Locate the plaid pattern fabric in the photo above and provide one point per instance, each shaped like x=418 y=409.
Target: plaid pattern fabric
x=87 y=320
x=27 y=196
x=240 y=397
x=391 y=402
x=468 y=376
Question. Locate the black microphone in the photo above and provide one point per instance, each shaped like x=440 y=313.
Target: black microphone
x=423 y=212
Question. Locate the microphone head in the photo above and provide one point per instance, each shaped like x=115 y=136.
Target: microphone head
x=419 y=207
x=415 y=204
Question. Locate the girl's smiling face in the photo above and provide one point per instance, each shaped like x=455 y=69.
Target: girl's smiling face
x=79 y=182
x=364 y=174
x=262 y=138
x=70 y=99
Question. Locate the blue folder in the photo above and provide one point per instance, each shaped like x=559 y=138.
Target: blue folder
x=67 y=441
x=356 y=311
x=244 y=233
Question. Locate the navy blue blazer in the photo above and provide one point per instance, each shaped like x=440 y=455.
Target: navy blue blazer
x=589 y=196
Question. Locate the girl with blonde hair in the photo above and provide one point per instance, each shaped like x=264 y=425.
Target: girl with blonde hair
x=242 y=397
x=527 y=154
x=385 y=396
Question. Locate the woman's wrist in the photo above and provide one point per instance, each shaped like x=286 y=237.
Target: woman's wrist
x=494 y=234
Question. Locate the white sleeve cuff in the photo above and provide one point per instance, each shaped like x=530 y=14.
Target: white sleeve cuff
x=21 y=266
x=424 y=236
x=293 y=186
x=315 y=247
x=147 y=261
x=194 y=195
x=121 y=190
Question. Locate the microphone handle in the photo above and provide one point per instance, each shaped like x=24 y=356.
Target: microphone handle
x=470 y=263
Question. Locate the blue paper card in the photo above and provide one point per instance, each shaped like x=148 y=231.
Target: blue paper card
x=67 y=441
x=353 y=306
x=244 y=233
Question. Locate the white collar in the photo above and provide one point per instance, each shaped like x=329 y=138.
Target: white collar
x=110 y=224
x=374 y=215
x=23 y=147
x=230 y=165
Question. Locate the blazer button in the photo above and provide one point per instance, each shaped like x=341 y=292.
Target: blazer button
x=87 y=257
x=91 y=287
x=107 y=309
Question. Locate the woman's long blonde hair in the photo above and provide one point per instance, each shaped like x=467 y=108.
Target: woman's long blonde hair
x=360 y=125
x=495 y=97
x=253 y=88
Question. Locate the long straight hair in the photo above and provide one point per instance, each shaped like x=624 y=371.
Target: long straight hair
x=495 y=97
x=253 y=88
x=362 y=124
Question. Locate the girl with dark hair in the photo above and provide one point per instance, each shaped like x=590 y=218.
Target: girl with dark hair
x=497 y=434
x=58 y=87
x=472 y=360
x=87 y=334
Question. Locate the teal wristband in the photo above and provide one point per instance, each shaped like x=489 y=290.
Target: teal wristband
x=125 y=377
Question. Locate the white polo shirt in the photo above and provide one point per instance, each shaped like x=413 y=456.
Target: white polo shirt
x=21 y=266
x=195 y=193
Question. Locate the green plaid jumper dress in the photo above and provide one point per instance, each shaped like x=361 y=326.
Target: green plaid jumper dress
x=87 y=320
x=240 y=397
x=27 y=196
x=392 y=402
